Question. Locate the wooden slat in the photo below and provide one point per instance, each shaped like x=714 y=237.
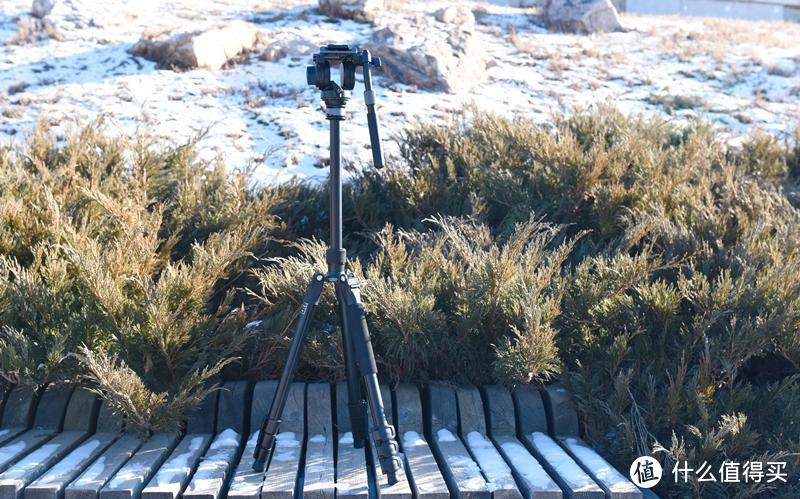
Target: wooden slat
x=562 y=468
x=15 y=478
x=52 y=408
x=460 y=471
x=214 y=469
x=51 y=484
x=173 y=476
x=319 y=466
x=246 y=483
x=281 y=478
x=5 y=388
x=533 y=480
x=424 y=476
x=90 y=482
x=613 y=483
x=401 y=489
x=129 y=481
x=22 y=445
x=560 y=412
x=82 y=411
x=351 y=463
x=19 y=408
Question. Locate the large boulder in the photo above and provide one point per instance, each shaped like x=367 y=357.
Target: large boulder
x=457 y=15
x=361 y=10
x=42 y=8
x=430 y=57
x=209 y=49
x=581 y=16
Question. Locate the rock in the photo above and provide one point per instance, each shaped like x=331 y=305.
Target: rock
x=360 y=10
x=430 y=58
x=209 y=49
x=581 y=16
x=42 y=8
x=287 y=46
x=459 y=15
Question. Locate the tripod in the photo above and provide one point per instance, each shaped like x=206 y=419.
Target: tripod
x=358 y=356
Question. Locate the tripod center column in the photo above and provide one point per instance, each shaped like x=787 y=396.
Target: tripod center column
x=335 y=113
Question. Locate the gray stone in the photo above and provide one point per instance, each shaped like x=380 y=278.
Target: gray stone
x=430 y=58
x=459 y=15
x=360 y=10
x=42 y=8
x=581 y=16
x=210 y=49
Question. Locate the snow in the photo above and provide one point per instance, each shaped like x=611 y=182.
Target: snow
x=93 y=473
x=444 y=435
x=262 y=115
x=468 y=468
x=70 y=463
x=528 y=466
x=228 y=438
x=346 y=438
x=287 y=446
x=215 y=463
x=412 y=439
x=4 y=432
x=497 y=472
x=133 y=470
x=171 y=474
x=318 y=438
x=561 y=462
x=30 y=462
x=599 y=467
x=9 y=451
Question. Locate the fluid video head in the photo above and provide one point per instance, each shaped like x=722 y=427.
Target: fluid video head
x=336 y=95
x=348 y=57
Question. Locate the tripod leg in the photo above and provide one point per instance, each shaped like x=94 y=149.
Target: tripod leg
x=357 y=406
x=266 y=437
x=382 y=432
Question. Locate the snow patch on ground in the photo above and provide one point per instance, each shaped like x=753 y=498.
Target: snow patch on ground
x=319 y=438
x=177 y=467
x=214 y=464
x=262 y=115
x=287 y=446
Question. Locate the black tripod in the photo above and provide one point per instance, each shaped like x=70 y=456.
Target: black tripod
x=359 y=360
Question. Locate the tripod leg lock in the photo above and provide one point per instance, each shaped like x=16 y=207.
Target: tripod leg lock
x=388 y=451
x=266 y=444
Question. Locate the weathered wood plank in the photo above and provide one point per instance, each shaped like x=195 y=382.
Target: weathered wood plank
x=51 y=484
x=246 y=483
x=533 y=480
x=109 y=421
x=351 y=463
x=27 y=469
x=562 y=468
x=82 y=411
x=529 y=407
x=560 y=411
x=52 y=408
x=5 y=388
x=22 y=445
x=614 y=483
x=129 y=481
x=498 y=475
x=203 y=419
x=319 y=482
x=280 y=481
x=172 y=476
x=19 y=408
x=90 y=482
x=460 y=471
x=214 y=469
